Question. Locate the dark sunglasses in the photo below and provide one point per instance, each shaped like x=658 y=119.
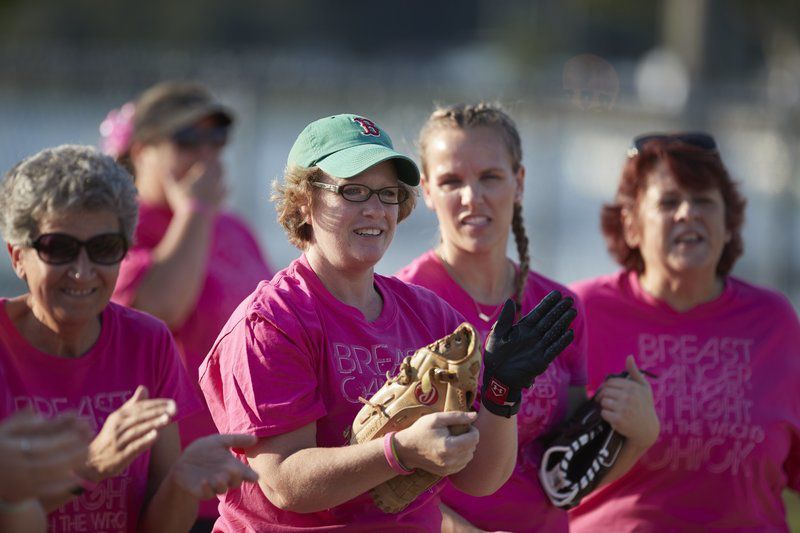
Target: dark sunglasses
x=192 y=136
x=698 y=139
x=355 y=192
x=60 y=249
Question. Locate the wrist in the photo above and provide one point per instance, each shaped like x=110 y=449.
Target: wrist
x=84 y=485
x=500 y=399
x=195 y=206
x=178 y=481
x=390 y=454
x=198 y=206
x=92 y=471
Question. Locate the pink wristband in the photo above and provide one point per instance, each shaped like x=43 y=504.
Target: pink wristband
x=391 y=455
x=199 y=206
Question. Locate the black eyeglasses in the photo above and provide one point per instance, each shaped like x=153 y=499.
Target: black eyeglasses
x=355 y=192
x=192 y=136
x=60 y=249
x=698 y=139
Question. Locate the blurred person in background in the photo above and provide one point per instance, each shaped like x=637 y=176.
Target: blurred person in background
x=725 y=353
x=68 y=215
x=473 y=179
x=191 y=262
x=293 y=360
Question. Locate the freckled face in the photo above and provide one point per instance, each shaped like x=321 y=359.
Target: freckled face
x=354 y=235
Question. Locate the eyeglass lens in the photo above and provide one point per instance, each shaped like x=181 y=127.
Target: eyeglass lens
x=355 y=192
x=59 y=249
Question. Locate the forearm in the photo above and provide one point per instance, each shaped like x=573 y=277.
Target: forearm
x=628 y=456
x=452 y=522
x=314 y=479
x=170 y=509
x=494 y=458
x=171 y=286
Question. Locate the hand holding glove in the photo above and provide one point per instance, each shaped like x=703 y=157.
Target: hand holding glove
x=516 y=353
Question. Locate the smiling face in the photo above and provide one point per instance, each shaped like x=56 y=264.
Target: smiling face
x=352 y=236
x=74 y=294
x=470 y=184
x=679 y=232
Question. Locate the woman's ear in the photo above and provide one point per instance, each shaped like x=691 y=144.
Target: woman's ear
x=520 y=178
x=15 y=252
x=305 y=211
x=630 y=228
x=426 y=193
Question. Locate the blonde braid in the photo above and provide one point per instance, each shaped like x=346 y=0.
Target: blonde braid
x=521 y=238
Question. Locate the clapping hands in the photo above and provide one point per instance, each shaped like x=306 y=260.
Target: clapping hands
x=207 y=467
x=128 y=431
x=39 y=457
x=516 y=353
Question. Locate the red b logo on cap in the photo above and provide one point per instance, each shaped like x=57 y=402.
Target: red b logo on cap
x=369 y=127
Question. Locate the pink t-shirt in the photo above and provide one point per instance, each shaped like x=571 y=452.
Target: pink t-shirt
x=727 y=393
x=520 y=504
x=133 y=349
x=234 y=268
x=292 y=354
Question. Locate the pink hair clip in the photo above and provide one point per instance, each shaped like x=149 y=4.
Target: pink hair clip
x=116 y=130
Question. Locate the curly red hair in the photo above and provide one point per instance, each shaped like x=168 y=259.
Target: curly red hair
x=694 y=168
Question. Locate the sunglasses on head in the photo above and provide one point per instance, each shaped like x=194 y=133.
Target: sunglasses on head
x=60 y=249
x=192 y=136
x=698 y=139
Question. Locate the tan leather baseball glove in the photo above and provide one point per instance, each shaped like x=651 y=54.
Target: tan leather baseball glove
x=442 y=376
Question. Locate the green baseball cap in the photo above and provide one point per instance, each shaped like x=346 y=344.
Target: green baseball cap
x=346 y=145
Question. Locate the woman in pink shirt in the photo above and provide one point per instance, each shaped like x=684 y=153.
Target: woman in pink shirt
x=294 y=358
x=725 y=353
x=68 y=215
x=472 y=178
x=192 y=261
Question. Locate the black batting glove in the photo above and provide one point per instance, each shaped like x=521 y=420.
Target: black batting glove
x=516 y=353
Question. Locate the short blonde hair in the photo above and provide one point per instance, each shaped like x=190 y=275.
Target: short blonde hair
x=295 y=192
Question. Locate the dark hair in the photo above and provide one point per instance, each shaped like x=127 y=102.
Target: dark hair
x=693 y=168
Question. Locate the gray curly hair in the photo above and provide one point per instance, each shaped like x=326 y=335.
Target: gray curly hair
x=68 y=178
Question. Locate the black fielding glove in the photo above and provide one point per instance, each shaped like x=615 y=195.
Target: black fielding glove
x=516 y=353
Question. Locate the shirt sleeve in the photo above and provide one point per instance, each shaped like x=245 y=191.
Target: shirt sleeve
x=261 y=379
x=131 y=273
